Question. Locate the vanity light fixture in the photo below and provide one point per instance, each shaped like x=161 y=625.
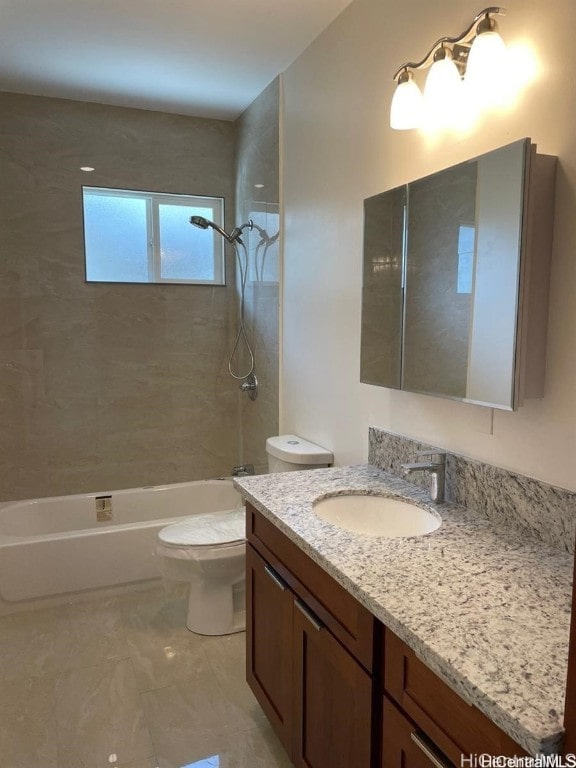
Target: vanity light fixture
x=468 y=68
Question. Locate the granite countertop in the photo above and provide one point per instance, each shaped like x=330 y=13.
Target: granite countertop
x=486 y=610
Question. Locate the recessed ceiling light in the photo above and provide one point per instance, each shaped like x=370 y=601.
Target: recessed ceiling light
x=258 y=186
x=87 y=168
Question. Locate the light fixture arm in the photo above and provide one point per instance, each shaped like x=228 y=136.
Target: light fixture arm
x=464 y=37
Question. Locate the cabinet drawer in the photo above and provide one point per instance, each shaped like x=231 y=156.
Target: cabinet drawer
x=350 y=622
x=404 y=745
x=455 y=726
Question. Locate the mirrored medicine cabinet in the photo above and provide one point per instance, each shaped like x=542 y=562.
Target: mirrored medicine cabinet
x=455 y=280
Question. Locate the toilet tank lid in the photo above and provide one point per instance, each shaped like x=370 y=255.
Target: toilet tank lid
x=297 y=450
x=206 y=529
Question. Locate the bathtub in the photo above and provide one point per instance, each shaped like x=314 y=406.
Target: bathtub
x=69 y=543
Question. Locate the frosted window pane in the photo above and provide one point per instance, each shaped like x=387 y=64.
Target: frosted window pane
x=140 y=237
x=116 y=238
x=186 y=252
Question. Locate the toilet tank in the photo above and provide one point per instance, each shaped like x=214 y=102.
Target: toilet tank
x=287 y=453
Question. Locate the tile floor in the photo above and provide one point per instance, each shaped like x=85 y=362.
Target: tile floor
x=119 y=682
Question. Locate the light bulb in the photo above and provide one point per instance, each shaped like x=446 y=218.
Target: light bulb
x=487 y=67
x=407 y=104
x=443 y=90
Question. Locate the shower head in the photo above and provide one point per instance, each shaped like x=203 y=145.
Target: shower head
x=234 y=236
x=200 y=221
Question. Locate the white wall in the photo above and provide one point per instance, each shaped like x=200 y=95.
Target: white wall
x=339 y=149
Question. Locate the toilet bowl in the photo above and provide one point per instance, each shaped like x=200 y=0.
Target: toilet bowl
x=209 y=552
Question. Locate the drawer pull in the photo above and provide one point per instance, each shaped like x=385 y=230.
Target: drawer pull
x=423 y=745
x=275 y=578
x=305 y=611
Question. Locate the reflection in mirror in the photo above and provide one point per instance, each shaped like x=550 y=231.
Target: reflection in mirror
x=445 y=270
x=441 y=211
x=384 y=228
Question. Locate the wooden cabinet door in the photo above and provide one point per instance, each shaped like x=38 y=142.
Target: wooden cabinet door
x=403 y=745
x=332 y=699
x=269 y=610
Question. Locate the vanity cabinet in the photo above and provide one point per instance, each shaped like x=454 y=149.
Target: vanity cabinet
x=339 y=689
x=310 y=654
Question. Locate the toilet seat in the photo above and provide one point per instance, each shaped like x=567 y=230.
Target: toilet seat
x=216 y=529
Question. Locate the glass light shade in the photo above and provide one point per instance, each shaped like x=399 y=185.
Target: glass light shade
x=487 y=69
x=442 y=93
x=407 y=106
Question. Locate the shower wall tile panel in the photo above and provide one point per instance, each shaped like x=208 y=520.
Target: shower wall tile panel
x=529 y=506
x=107 y=386
x=257 y=196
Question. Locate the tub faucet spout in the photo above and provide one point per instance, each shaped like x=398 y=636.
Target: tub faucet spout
x=436 y=468
x=242 y=470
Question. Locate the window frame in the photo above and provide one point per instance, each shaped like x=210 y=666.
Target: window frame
x=153 y=201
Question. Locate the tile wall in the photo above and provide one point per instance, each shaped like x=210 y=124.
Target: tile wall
x=106 y=386
x=257 y=198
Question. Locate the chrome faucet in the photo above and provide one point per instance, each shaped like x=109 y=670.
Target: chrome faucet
x=243 y=470
x=436 y=467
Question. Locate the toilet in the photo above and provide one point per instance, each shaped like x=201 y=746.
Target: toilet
x=208 y=551
x=287 y=453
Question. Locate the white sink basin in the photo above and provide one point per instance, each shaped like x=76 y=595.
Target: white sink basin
x=384 y=516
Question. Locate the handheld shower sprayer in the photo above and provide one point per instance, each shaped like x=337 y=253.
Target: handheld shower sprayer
x=202 y=223
x=233 y=237
x=249 y=381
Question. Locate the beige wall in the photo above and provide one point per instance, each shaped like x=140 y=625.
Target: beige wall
x=338 y=150
x=106 y=386
x=258 y=164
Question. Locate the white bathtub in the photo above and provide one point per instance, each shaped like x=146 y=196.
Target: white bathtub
x=56 y=545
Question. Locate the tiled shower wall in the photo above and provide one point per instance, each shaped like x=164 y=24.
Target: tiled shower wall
x=257 y=198
x=106 y=386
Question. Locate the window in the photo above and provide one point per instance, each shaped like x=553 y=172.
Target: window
x=466 y=235
x=146 y=237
